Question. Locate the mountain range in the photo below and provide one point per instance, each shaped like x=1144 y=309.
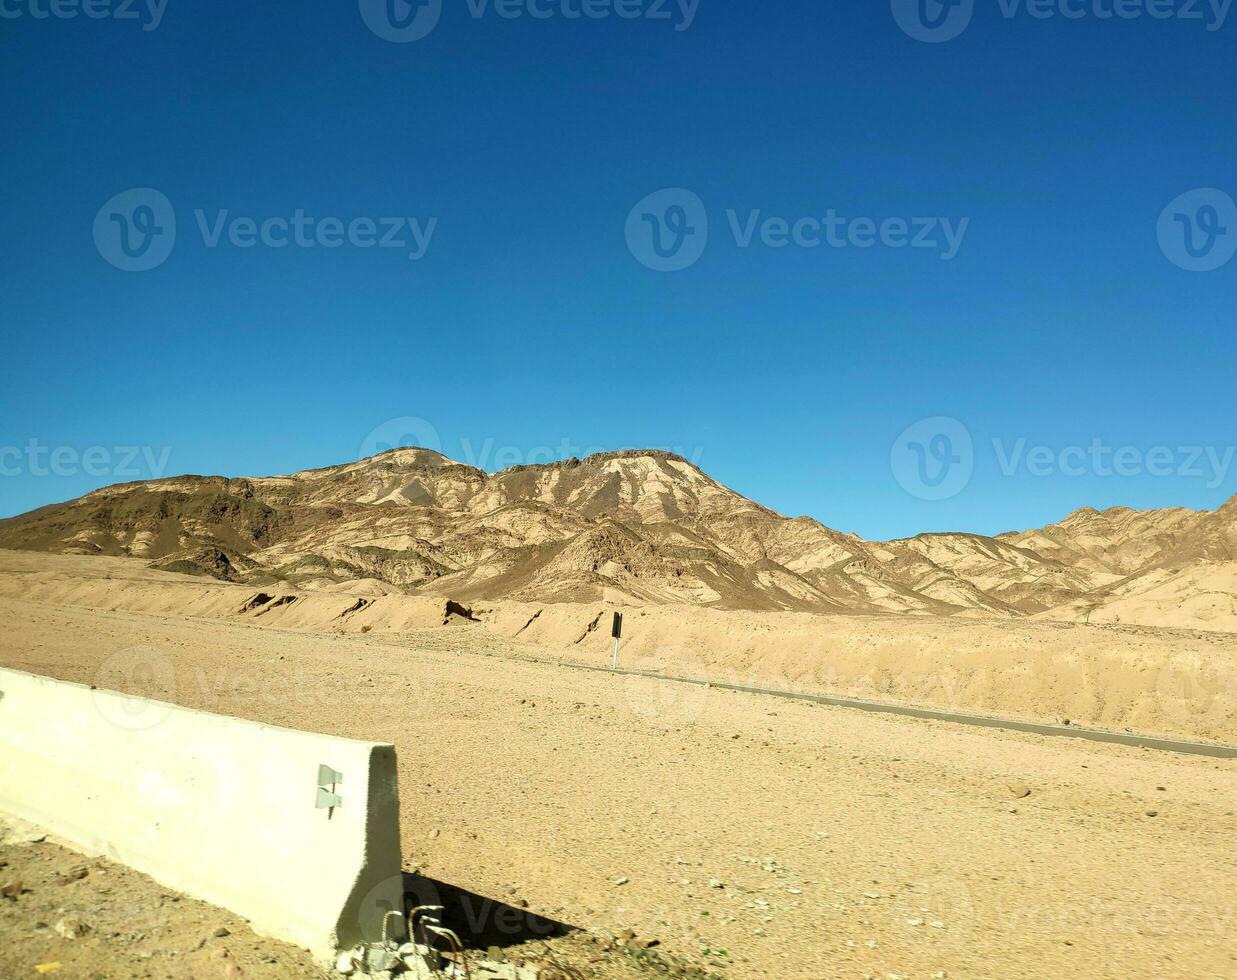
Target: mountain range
x=637 y=527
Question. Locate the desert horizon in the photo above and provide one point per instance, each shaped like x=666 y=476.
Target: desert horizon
x=618 y=490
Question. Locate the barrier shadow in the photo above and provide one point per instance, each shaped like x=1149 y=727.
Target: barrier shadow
x=480 y=922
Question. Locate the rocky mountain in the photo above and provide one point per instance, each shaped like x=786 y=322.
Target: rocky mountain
x=629 y=527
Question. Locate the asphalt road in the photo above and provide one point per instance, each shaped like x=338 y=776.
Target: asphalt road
x=1213 y=750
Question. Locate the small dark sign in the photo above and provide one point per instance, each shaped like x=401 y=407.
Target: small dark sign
x=617 y=630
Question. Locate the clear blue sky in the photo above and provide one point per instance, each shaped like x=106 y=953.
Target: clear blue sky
x=789 y=372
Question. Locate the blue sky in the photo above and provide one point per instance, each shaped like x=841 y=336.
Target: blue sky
x=1063 y=333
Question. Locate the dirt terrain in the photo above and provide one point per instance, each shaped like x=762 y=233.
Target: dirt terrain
x=748 y=837
x=1173 y=683
x=639 y=527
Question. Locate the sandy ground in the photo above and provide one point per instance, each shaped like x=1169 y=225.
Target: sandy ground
x=762 y=838
x=1173 y=683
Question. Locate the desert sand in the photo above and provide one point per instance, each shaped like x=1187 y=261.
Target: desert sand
x=752 y=837
x=1172 y=683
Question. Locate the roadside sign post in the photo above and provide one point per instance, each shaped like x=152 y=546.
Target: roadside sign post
x=616 y=631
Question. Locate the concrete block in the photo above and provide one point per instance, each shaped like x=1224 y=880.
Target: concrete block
x=222 y=809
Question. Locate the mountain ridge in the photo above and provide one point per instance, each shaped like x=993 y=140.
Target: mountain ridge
x=633 y=526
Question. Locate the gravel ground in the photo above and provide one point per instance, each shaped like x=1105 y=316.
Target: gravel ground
x=749 y=837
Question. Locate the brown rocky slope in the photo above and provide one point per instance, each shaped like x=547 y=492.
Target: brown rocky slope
x=636 y=527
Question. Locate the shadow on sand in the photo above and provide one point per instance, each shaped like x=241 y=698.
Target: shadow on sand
x=480 y=922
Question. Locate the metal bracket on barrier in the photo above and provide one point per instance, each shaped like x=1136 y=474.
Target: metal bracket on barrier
x=328 y=780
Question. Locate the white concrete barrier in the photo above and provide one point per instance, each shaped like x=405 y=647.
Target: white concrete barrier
x=226 y=810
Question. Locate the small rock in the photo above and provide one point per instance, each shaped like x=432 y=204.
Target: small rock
x=914 y=922
x=1153 y=813
x=715 y=883
x=621 y=881
x=378 y=959
x=937 y=924
x=345 y=963
x=871 y=894
x=71 y=928
x=222 y=932
x=74 y=874
x=13 y=890
x=434 y=833
x=1020 y=790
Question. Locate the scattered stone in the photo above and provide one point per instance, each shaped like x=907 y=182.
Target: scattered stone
x=378 y=959
x=74 y=874
x=1020 y=790
x=795 y=891
x=621 y=881
x=71 y=928
x=1153 y=813
x=222 y=932
x=914 y=922
x=434 y=833
x=13 y=890
x=715 y=883
x=872 y=895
